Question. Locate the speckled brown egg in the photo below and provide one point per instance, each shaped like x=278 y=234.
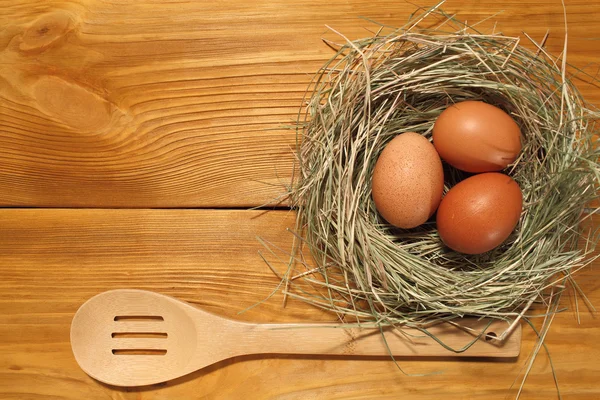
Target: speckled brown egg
x=474 y=136
x=479 y=213
x=408 y=181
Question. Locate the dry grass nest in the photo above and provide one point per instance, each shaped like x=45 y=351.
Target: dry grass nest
x=376 y=88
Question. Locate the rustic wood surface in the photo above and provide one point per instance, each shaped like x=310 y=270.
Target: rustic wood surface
x=134 y=138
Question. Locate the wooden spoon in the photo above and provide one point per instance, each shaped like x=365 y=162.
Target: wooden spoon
x=135 y=337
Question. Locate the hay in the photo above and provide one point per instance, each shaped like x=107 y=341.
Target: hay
x=376 y=88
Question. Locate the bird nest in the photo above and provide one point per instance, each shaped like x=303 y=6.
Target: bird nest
x=376 y=88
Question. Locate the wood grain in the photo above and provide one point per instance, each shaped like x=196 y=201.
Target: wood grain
x=53 y=260
x=184 y=104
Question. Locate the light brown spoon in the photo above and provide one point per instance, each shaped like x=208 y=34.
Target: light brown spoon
x=135 y=337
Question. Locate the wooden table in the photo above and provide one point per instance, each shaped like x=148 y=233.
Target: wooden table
x=136 y=136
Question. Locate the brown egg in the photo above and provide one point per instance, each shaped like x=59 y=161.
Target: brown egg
x=408 y=181
x=474 y=136
x=479 y=213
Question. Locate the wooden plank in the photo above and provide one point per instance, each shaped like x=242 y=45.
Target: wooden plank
x=183 y=104
x=51 y=261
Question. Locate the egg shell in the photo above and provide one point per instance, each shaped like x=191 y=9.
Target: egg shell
x=474 y=136
x=479 y=213
x=408 y=181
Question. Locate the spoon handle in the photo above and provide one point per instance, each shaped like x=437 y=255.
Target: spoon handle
x=333 y=339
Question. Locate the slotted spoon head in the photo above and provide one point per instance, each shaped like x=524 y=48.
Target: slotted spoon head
x=133 y=337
